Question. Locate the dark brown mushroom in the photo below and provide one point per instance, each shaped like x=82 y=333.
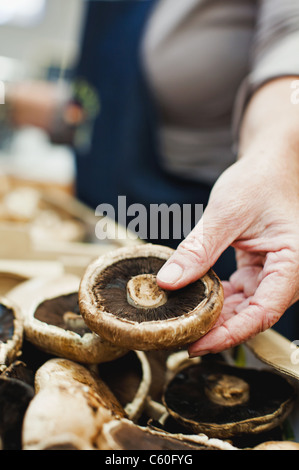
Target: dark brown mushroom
x=20 y=371
x=120 y=300
x=11 y=331
x=69 y=408
x=129 y=378
x=16 y=392
x=124 y=435
x=225 y=401
x=53 y=323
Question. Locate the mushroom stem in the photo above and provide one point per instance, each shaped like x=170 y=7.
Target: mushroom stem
x=73 y=321
x=227 y=390
x=144 y=292
x=65 y=388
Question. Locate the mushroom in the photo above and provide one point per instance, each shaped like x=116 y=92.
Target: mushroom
x=129 y=378
x=163 y=369
x=11 y=331
x=53 y=323
x=122 y=434
x=225 y=401
x=16 y=392
x=19 y=370
x=277 y=445
x=69 y=408
x=28 y=207
x=120 y=300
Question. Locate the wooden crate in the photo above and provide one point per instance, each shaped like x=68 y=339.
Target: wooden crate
x=22 y=253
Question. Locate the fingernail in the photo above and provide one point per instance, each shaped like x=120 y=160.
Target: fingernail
x=170 y=273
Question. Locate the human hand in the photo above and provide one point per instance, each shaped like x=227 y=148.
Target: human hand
x=254 y=207
x=33 y=103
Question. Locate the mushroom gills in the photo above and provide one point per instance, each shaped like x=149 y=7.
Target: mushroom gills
x=6 y=323
x=129 y=378
x=62 y=311
x=223 y=401
x=16 y=392
x=128 y=289
x=11 y=332
x=121 y=301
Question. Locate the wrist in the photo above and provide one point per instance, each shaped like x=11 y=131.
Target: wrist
x=269 y=134
x=271 y=120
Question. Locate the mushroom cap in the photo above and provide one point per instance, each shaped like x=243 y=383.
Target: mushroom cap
x=51 y=322
x=15 y=396
x=122 y=434
x=129 y=378
x=142 y=316
x=11 y=331
x=277 y=445
x=203 y=399
x=69 y=401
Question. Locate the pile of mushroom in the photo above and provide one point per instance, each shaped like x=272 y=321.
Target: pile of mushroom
x=27 y=207
x=100 y=363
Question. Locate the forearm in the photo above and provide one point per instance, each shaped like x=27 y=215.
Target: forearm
x=270 y=126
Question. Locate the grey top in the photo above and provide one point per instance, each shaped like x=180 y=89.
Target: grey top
x=204 y=59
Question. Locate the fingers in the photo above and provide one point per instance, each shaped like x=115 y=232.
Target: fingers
x=197 y=253
x=234 y=331
x=247 y=316
x=246 y=280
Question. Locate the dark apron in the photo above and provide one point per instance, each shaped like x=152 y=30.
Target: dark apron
x=123 y=158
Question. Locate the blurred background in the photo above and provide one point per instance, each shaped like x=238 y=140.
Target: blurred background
x=44 y=228
x=39 y=40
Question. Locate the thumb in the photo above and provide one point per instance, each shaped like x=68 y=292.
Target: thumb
x=198 y=252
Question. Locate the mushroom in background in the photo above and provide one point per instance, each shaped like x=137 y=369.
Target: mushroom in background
x=16 y=392
x=130 y=380
x=11 y=331
x=277 y=445
x=224 y=401
x=27 y=207
x=125 y=435
x=69 y=408
x=53 y=323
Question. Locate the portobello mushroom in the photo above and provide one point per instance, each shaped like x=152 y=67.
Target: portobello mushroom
x=11 y=331
x=122 y=434
x=53 y=323
x=16 y=392
x=225 y=401
x=129 y=378
x=69 y=408
x=120 y=300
